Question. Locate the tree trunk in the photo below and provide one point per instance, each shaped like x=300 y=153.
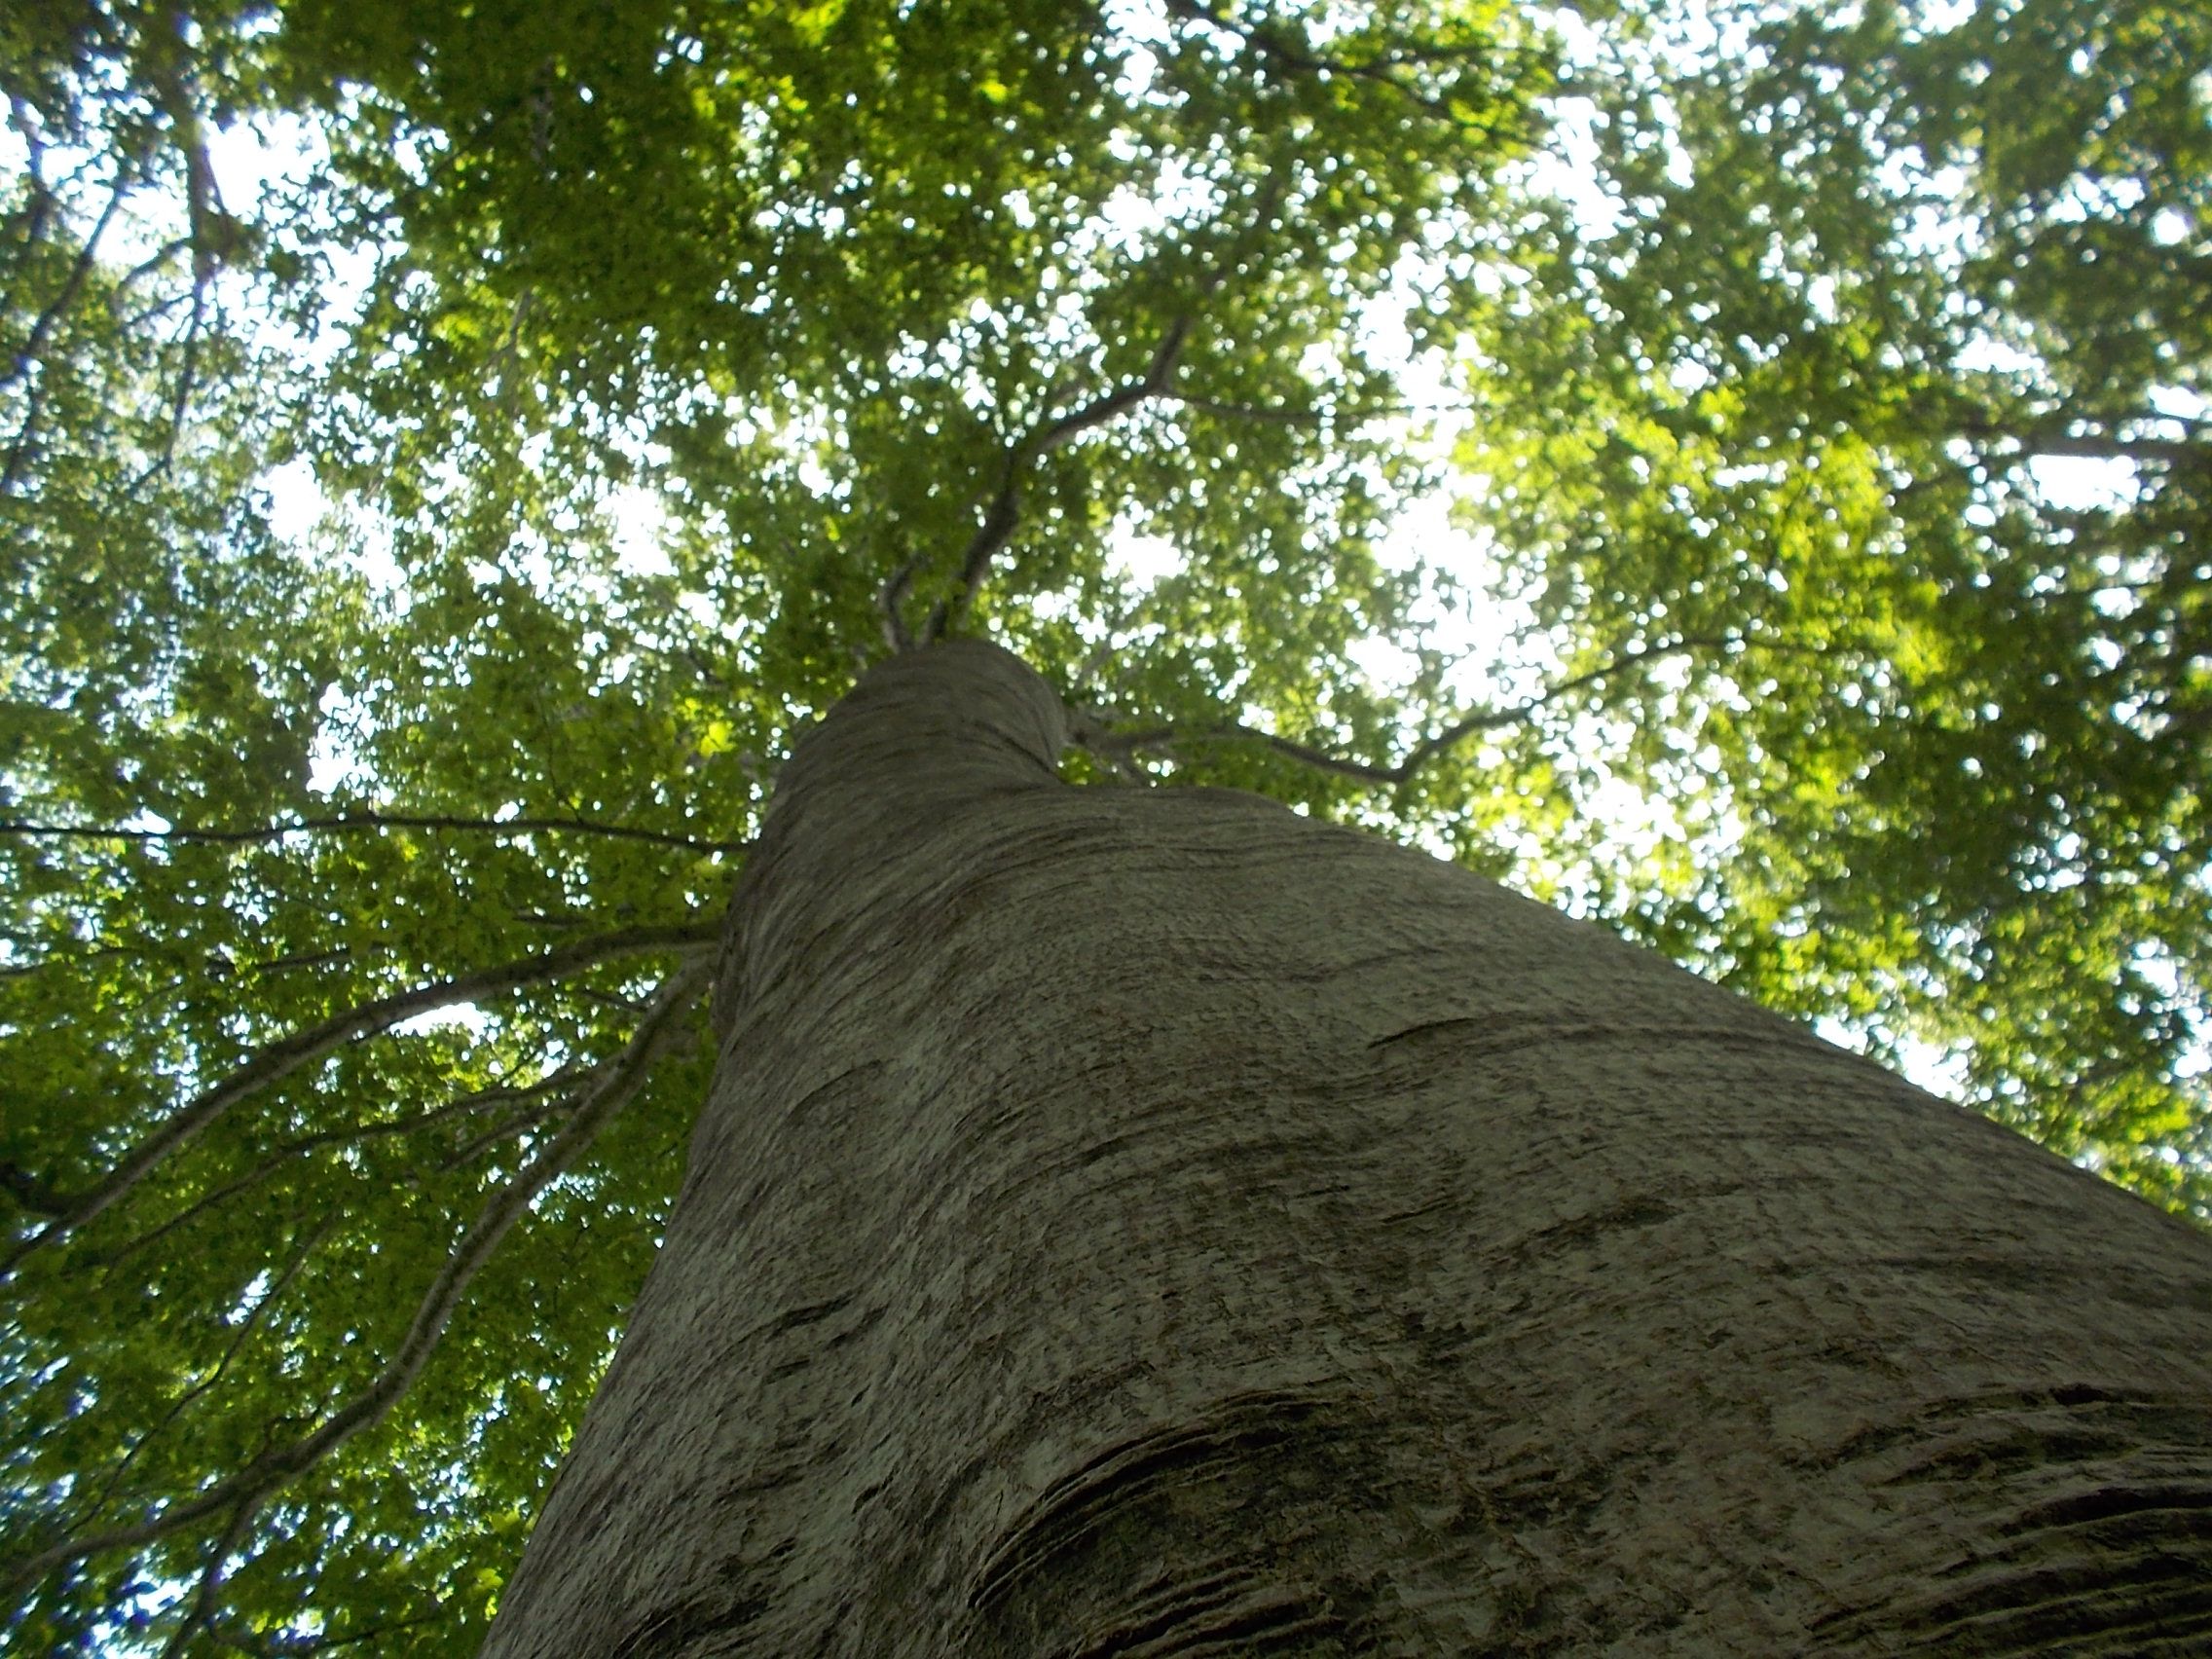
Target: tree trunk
x=1150 y=1222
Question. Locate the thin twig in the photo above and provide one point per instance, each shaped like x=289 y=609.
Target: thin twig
x=353 y=821
x=274 y=1468
x=1092 y=731
x=281 y=1155
x=203 y=1606
x=281 y=1059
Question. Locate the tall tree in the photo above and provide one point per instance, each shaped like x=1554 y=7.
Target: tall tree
x=1131 y=1221
x=366 y=880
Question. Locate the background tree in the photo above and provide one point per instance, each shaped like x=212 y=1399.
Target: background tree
x=362 y=873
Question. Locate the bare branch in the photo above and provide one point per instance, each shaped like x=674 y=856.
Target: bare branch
x=284 y=1058
x=355 y=821
x=274 y=1468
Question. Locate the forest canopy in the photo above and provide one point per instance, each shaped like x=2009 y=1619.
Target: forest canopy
x=1739 y=472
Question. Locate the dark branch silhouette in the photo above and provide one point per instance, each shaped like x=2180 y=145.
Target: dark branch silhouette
x=281 y=1059
x=343 y=823
x=1093 y=730
x=1003 y=516
x=274 y=1468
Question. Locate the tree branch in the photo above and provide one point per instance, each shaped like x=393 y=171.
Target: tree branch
x=285 y=1646
x=203 y=1606
x=890 y=602
x=282 y=1155
x=274 y=1468
x=281 y=1059
x=81 y=268
x=353 y=821
x=34 y=407
x=1273 y=44
x=254 y=1315
x=1091 y=733
x=29 y=127
x=1004 y=514
x=1315 y=415
x=2063 y=436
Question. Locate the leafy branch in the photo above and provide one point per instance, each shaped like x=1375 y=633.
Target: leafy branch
x=2046 y=439
x=281 y=1059
x=1094 y=732
x=23 y=446
x=1003 y=515
x=220 y=1549
x=619 y=1082
x=1298 y=57
x=531 y=1097
x=262 y=1305
x=342 y=823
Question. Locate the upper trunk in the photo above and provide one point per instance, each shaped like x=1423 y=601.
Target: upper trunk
x=1151 y=1222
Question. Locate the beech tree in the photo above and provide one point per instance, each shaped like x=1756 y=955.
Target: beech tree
x=1115 y=1209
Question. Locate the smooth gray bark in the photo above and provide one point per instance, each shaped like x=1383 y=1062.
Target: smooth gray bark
x=1149 y=1222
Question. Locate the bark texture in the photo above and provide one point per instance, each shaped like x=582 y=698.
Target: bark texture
x=1150 y=1223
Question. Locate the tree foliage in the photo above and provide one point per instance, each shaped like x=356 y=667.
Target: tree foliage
x=1884 y=375
x=656 y=367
